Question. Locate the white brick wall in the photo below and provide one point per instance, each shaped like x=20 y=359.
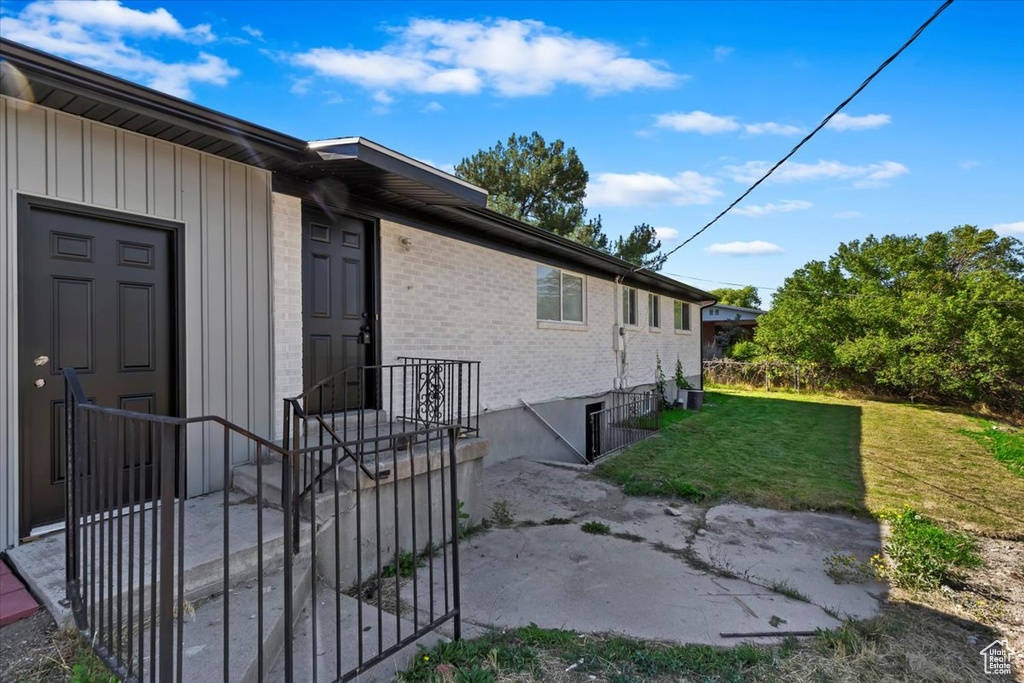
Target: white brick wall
x=445 y=298
x=286 y=248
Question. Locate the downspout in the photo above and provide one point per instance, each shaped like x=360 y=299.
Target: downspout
x=620 y=356
x=700 y=318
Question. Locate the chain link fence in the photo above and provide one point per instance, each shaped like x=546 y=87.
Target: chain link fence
x=768 y=375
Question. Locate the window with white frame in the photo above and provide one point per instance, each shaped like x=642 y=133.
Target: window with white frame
x=560 y=295
x=681 y=309
x=653 y=310
x=629 y=304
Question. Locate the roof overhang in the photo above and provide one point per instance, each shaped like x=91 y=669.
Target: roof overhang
x=34 y=76
x=373 y=167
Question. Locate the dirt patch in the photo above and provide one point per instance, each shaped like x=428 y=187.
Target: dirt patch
x=25 y=645
x=34 y=650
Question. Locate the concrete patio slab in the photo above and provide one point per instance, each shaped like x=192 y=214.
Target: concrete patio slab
x=667 y=571
x=560 y=577
x=769 y=546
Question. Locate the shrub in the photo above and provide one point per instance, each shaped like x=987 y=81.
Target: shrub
x=744 y=351
x=921 y=554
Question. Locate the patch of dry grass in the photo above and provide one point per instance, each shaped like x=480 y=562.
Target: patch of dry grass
x=906 y=642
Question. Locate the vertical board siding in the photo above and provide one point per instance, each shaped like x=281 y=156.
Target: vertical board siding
x=225 y=209
x=69 y=145
x=103 y=166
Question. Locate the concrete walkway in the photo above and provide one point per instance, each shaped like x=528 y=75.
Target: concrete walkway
x=682 y=574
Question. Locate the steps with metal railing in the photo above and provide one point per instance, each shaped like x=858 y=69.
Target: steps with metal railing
x=395 y=464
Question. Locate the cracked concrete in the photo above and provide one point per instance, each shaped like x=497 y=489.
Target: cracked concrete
x=686 y=574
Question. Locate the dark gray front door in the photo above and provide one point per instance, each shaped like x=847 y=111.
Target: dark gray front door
x=337 y=311
x=97 y=294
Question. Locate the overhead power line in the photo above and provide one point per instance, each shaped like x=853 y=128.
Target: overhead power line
x=824 y=122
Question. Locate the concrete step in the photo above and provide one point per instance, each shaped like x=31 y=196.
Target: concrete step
x=42 y=561
x=203 y=632
x=347 y=422
x=395 y=465
x=337 y=639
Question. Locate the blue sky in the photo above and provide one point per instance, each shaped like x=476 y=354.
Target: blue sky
x=673 y=107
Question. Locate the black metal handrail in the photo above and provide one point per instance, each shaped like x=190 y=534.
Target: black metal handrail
x=98 y=493
x=126 y=540
x=413 y=394
x=632 y=417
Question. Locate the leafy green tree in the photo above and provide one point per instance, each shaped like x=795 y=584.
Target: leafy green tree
x=545 y=184
x=938 y=317
x=744 y=297
x=531 y=181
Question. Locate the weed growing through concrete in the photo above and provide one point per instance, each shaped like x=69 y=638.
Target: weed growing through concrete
x=597 y=528
x=408 y=563
x=502 y=512
x=848 y=568
x=556 y=521
x=784 y=588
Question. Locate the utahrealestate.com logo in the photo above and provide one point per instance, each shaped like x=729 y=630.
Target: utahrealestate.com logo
x=998 y=658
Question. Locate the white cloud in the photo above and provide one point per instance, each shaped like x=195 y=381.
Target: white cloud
x=666 y=234
x=880 y=173
x=300 y=86
x=1009 y=229
x=697 y=122
x=968 y=164
x=847 y=214
x=382 y=97
x=772 y=128
x=755 y=248
x=432 y=107
x=845 y=122
x=710 y=124
x=254 y=32
x=95 y=33
x=640 y=189
x=871 y=175
x=784 y=206
x=510 y=57
x=722 y=51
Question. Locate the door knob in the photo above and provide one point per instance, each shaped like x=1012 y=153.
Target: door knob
x=40 y=383
x=40 y=361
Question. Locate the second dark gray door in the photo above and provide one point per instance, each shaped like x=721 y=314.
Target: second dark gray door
x=338 y=322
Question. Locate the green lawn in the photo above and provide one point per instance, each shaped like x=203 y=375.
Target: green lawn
x=793 y=451
x=771 y=452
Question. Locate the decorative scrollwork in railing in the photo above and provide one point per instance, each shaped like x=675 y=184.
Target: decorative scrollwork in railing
x=430 y=393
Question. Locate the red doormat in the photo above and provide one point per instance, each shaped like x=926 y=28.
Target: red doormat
x=15 y=600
